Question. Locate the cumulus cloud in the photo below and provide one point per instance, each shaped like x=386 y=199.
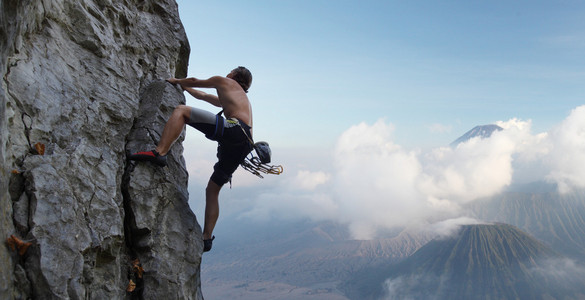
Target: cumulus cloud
x=375 y=184
x=476 y=168
x=567 y=152
x=379 y=185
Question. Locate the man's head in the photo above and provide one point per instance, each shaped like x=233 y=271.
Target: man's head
x=242 y=76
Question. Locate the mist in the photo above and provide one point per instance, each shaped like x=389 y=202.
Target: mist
x=374 y=184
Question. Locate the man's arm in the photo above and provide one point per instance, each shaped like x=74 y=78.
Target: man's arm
x=187 y=83
x=212 y=82
x=212 y=99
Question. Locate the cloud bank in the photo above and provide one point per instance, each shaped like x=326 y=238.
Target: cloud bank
x=376 y=184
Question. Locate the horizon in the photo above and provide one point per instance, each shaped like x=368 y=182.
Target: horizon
x=403 y=80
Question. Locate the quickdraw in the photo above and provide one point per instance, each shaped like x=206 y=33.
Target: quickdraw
x=253 y=165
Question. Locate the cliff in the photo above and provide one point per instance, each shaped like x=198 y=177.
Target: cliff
x=82 y=86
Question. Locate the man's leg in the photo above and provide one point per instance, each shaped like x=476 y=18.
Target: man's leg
x=173 y=128
x=171 y=132
x=211 y=208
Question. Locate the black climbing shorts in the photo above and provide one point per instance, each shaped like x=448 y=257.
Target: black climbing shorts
x=233 y=145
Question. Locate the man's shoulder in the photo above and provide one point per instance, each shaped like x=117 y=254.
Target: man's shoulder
x=224 y=82
x=218 y=79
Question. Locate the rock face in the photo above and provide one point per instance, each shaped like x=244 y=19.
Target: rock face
x=82 y=86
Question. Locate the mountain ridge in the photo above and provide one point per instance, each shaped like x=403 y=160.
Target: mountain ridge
x=482 y=131
x=557 y=220
x=496 y=261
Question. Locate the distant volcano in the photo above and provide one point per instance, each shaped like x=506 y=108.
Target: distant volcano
x=481 y=262
x=483 y=131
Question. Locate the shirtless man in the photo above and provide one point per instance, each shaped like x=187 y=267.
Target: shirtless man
x=234 y=145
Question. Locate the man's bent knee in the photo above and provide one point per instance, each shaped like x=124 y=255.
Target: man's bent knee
x=184 y=111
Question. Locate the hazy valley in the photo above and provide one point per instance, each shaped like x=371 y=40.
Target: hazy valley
x=525 y=243
x=320 y=261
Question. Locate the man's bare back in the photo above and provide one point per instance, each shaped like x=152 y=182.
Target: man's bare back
x=234 y=101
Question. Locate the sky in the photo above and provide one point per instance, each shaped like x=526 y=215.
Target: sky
x=359 y=101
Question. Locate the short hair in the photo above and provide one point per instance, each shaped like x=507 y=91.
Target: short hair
x=243 y=76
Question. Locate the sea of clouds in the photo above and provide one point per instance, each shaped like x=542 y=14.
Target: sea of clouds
x=374 y=184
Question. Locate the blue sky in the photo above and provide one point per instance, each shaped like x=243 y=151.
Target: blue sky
x=357 y=99
x=434 y=69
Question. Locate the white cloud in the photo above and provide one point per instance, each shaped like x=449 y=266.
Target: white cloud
x=567 y=154
x=375 y=184
x=378 y=184
x=450 y=227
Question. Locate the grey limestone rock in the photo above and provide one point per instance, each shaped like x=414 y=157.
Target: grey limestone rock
x=85 y=79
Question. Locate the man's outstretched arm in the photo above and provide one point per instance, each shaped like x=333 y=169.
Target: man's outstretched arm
x=212 y=99
x=212 y=82
x=187 y=83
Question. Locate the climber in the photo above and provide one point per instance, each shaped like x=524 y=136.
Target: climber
x=232 y=133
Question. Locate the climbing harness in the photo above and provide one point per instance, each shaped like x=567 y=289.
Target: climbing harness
x=258 y=163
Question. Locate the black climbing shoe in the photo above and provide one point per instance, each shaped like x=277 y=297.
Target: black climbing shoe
x=208 y=243
x=151 y=156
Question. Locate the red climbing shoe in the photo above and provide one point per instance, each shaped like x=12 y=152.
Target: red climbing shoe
x=151 y=156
